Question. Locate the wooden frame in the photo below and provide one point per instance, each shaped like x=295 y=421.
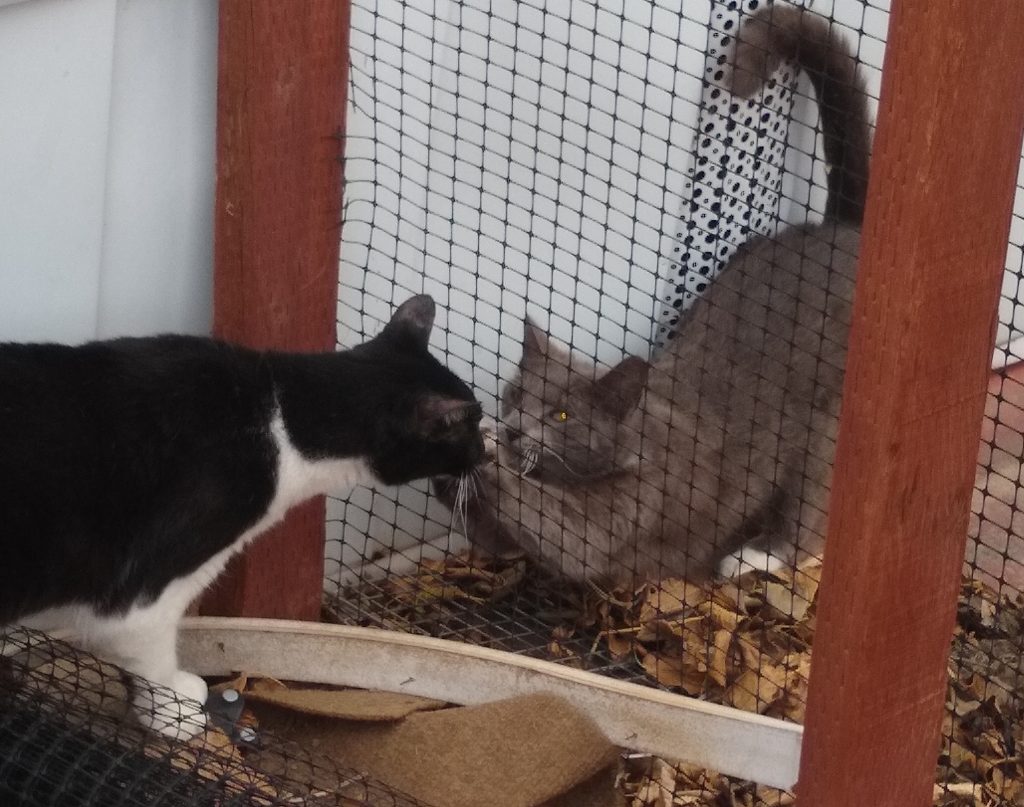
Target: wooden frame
x=281 y=85
x=643 y=719
x=932 y=259
x=935 y=236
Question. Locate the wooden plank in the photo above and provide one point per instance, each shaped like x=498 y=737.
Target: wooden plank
x=641 y=718
x=935 y=235
x=282 y=79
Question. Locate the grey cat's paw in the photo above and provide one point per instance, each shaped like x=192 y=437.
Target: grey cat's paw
x=176 y=712
x=748 y=560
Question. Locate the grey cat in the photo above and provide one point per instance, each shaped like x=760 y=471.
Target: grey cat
x=721 y=449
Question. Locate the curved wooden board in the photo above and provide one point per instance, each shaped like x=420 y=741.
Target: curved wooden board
x=643 y=719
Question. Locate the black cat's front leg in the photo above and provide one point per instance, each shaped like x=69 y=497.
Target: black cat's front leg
x=165 y=698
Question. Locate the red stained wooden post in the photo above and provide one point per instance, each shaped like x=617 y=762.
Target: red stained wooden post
x=935 y=235
x=282 y=80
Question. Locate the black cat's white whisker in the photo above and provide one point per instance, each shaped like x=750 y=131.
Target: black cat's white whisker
x=464 y=511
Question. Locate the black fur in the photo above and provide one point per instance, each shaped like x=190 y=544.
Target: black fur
x=126 y=464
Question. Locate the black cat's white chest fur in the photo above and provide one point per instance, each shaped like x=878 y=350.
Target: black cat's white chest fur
x=138 y=635
x=133 y=469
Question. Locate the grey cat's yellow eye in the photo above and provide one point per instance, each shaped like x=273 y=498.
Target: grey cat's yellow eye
x=561 y=415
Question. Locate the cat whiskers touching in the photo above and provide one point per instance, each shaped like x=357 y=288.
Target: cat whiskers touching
x=476 y=478
x=466 y=490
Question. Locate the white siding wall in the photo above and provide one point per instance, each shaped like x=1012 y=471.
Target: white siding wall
x=107 y=121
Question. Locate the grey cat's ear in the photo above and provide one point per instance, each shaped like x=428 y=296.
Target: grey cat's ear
x=535 y=340
x=414 y=318
x=619 y=389
x=436 y=413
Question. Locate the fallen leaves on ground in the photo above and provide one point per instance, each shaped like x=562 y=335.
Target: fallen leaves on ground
x=982 y=760
x=454 y=579
x=747 y=643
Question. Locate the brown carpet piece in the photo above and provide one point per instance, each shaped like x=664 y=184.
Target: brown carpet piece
x=343 y=704
x=528 y=751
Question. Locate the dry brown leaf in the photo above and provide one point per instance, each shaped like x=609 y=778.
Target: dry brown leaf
x=343 y=703
x=212 y=756
x=671 y=598
x=620 y=642
x=720 y=615
x=807 y=579
x=238 y=683
x=80 y=686
x=743 y=692
x=755 y=691
x=786 y=601
x=728 y=595
x=968 y=789
x=558 y=649
x=718 y=663
x=214 y=738
x=265 y=684
x=775 y=797
x=673 y=672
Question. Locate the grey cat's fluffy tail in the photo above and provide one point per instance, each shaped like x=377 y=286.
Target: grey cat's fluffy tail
x=785 y=33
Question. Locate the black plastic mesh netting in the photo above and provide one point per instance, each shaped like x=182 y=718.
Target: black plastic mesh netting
x=70 y=734
x=584 y=164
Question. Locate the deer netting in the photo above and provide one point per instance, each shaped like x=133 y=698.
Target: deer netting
x=591 y=167
x=70 y=734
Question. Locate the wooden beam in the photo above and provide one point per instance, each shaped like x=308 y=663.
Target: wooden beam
x=637 y=717
x=935 y=235
x=282 y=79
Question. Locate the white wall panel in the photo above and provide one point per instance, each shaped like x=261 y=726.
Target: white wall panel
x=107 y=122
x=158 y=225
x=55 y=67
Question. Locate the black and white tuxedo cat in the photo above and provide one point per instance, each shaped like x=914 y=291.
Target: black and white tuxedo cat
x=132 y=469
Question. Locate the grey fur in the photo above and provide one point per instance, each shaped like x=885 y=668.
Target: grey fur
x=728 y=438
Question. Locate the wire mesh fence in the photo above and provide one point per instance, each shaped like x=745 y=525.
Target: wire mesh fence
x=71 y=734
x=588 y=166
x=678 y=213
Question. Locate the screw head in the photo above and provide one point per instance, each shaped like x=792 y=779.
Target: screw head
x=247 y=734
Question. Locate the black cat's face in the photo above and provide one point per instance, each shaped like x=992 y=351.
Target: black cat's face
x=430 y=423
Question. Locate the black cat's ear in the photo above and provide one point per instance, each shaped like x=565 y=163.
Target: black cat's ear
x=535 y=341
x=414 y=319
x=619 y=390
x=437 y=413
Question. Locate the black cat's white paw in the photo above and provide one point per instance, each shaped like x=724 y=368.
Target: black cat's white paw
x=175 y=712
